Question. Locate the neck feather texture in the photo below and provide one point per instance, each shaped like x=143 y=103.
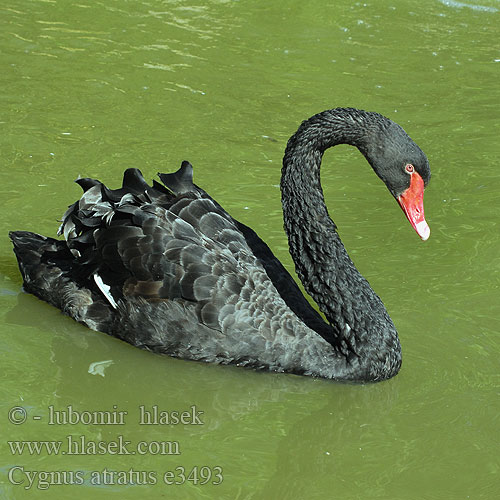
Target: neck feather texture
x=322 y=263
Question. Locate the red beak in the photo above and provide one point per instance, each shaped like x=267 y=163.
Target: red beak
x=412 y=203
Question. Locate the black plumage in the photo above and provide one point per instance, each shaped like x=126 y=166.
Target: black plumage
x=166 y=268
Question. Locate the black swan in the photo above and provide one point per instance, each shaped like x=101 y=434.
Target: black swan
x=167 y=269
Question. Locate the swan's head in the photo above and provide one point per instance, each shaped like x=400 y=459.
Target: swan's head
x=403 y=167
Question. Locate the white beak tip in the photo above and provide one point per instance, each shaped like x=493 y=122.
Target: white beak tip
x=423 y=230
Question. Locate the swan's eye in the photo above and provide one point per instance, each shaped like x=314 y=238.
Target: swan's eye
x=410 y=168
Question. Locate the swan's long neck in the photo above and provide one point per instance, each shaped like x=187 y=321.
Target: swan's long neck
x=321 y=261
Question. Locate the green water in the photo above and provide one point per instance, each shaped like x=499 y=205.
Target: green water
x=91 y=88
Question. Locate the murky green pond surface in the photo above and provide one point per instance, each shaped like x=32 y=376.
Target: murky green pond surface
x=91 y=88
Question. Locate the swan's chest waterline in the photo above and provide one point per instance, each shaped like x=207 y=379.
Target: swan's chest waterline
x=271 y=338
x=245 y=339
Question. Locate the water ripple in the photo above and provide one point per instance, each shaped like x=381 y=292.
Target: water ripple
x=459 y=5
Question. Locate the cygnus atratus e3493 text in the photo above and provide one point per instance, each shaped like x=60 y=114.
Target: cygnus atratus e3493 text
x=167 y=269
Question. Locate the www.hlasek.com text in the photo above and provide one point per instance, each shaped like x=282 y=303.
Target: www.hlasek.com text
x=81 y=445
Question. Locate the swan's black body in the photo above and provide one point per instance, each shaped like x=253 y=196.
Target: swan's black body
x=165 y=268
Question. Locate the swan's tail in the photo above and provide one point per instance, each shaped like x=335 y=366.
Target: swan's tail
x=45 y=265
x=30 y=249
